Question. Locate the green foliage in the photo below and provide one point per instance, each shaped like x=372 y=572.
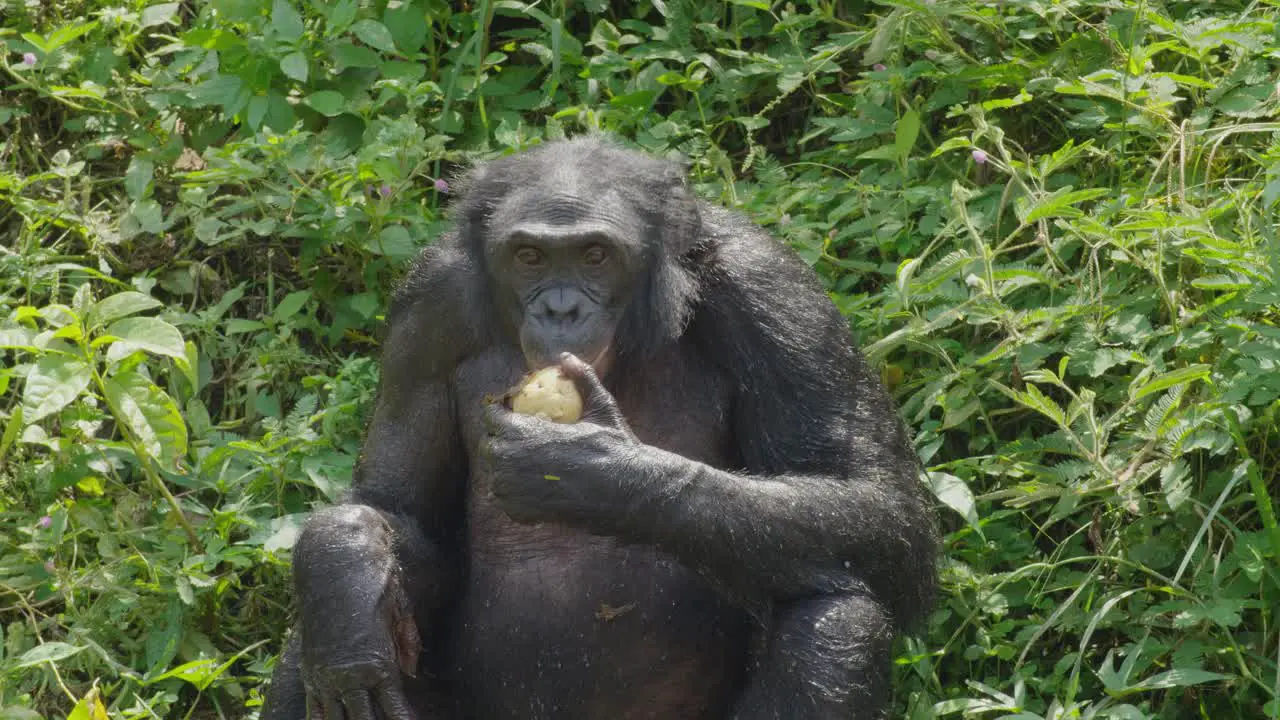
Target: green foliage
x=1052 y=224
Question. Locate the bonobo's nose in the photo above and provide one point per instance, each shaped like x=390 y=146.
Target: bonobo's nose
x=561 y=308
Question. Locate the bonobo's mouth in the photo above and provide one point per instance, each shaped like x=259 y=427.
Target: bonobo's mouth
x=536 y=359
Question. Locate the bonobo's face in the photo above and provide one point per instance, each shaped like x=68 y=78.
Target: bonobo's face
x=565 y=264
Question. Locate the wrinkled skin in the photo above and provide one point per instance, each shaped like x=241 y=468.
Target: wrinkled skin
x=734 y=529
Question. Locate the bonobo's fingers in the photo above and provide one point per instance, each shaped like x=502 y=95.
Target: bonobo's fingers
x=493 y=417
x=359 y=705
x=599 y=405
x=392 y=702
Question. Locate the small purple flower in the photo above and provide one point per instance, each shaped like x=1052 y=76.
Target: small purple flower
x=441 y=185
x=385 y=190
x=29 y=59
x=979 y=157
x=878 y=67
x=49 y=566
x=45 y=521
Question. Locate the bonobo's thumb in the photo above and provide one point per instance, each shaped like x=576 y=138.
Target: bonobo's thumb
x=598 y=404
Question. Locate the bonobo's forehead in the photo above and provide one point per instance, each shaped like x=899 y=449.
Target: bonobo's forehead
x=546 y=210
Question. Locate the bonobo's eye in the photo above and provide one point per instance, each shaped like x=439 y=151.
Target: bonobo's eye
x=529 y=256
x=594 y=255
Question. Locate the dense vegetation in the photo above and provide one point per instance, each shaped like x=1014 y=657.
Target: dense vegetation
x=1052 y=224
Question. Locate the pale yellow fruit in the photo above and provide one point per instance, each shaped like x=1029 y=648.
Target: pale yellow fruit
x=549 y=394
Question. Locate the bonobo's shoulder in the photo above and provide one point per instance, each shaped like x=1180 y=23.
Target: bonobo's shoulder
x=441 y=268
x=749 y=272
x=439 y=311
x=765 y=318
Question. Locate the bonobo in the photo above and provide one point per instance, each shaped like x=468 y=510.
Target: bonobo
x=734 y=528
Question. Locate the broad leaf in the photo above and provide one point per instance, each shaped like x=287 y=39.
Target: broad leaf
x=146 y=333
x=53 y=383
x=48 y=652
x=955 y=494
x=150 y=414
x=110 y=309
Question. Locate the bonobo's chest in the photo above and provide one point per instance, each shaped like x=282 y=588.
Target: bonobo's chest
x=679 y=402
x=556 y=623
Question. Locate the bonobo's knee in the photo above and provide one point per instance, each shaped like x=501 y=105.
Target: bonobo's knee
x=840 y=646
x=341 y=535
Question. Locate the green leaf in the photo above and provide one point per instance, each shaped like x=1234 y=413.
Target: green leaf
x=159 y=14
x=1061 y=204
x=286 y=21
x=347 y=54
x=257 y=111
x=1021 y=98
x=884 y=152
x=907 y=131
x=200 y=673
x=407 y=26
x=163 y=638
x=1179 y=677
x=1175 y=483
x=290 y=305
x=89 y=707
x=47 y=652
x=294 y=65
x=286 y=531
x=53 y=383
x=375 y=34
x=327 y=102
x=149 y=216
x=236 y=326
x=150 y=414
x=64 y=35
x=138 y=177
x=341 y=15
x=955 y=494
x=1180 y=376
x=11 y=430
x=393 y=241
x=207 y=229
x=222 y=90
x=951 y=144
x=147 y=333
x=20 y=338
x=123 y=304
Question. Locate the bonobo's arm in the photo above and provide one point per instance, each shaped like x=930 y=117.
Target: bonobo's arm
x=374 y=574
x=828 y=497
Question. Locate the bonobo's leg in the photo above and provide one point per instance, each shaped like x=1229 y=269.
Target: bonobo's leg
x=286 y=697
x=825 y=657
x=363 y=579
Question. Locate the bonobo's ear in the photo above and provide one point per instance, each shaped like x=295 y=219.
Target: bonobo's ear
x=477 y=194
x=664 y=303
x=676 y=213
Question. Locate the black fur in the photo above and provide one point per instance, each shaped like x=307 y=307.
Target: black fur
x=735 y=529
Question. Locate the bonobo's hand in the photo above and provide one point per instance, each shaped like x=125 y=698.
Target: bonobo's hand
x=352 y=662
x=551 y=472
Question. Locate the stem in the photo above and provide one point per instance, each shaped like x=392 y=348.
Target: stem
x=1261 y=495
